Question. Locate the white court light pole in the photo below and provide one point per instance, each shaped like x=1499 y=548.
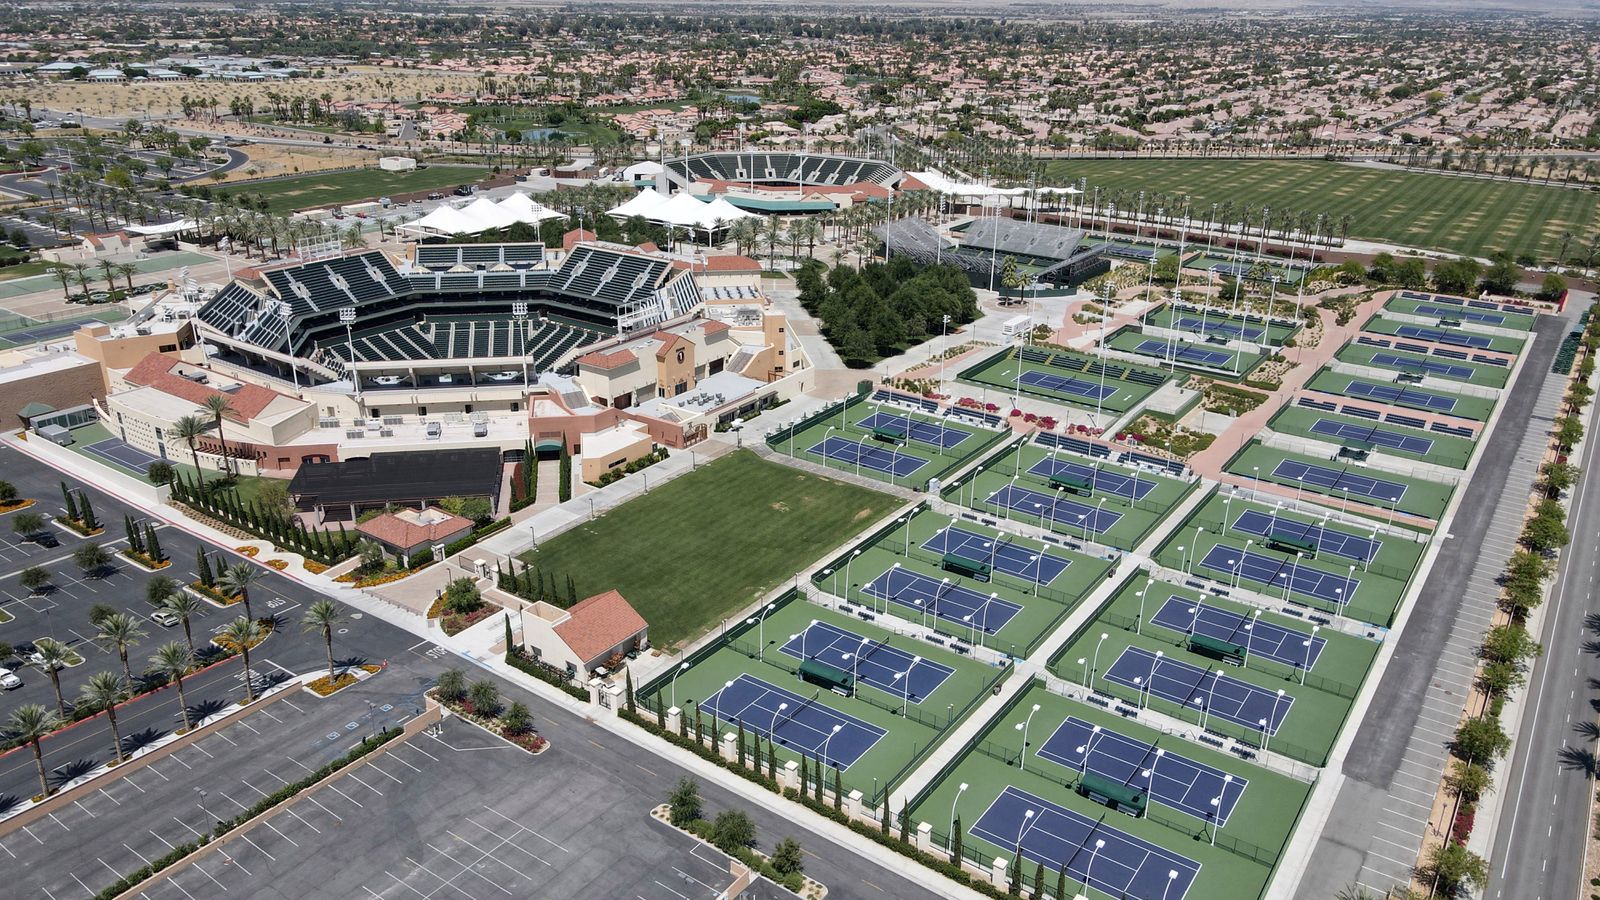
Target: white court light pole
x=775 y=714
x=1088 y=873
x=347 y=315
x=1022 y=754
x=682 y=667
x=1137 y=623
x=825 y=741
x=519 y=313
x=1305 y=659
x=1249 y=632
x=1096 y=670
x=959 y=791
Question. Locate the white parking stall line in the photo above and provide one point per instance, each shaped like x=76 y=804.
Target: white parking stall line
x=511 y=843
x=419 y=750
x=324 y=808
x=146 y=859
x=228 y=739
x=252 y=787
x=205 y=751
x=59 y=822
x=201 y=869
x=170 y=845
x=303 y=821
x=374 y=766
x=262 y=712
x=250 y=727
x=528 y=830
x=174 y=758
x=86 y=888
x=246 y=836
x=173 y=880
x=32 y=835
x=235 y=863
x=229 y=798
x=358 y=780
x=281 y=834
x=404 y=763
x=79 y=804
x=7 y=850
x=154 y=770
x=114 y=873
x=186 y=825
x=407 y=886
x=335 y=789
x=290 y=703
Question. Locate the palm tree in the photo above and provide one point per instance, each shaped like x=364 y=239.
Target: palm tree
x=108 y=270
x=219 y=405
x=53 y=655
x=174 y=660
x=121 y=631
x=322 y=616
x=183 y=605
x=127 y=270
x=189 y=428
x=32 y=723
x=241 y=633
x=104 y=691
x=235 y=581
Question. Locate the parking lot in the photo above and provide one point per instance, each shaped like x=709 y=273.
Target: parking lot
x=433 y=817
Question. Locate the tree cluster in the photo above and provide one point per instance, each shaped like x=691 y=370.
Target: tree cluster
x=884 y=307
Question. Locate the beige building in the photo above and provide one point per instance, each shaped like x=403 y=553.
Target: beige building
x=597 y=632
x=615 y=447
x=33 y=379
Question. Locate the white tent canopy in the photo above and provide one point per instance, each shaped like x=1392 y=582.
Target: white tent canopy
x=482 y=215
x=939 y=183
x=682 y=210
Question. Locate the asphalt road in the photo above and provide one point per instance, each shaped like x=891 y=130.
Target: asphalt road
x=1544 y=819
x=615 y=773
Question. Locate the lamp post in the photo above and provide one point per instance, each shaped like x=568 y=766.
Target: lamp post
x=1137 y=623
x=347 y=315
x=907 y=686
x=286 y=313
x=848 y=584
x=771 y=729
x=1249 y=632
x=682 y=667
x=1095 y=670
x=961 y=789
x=1022 y=755
x=825 y=743
x=519 y=313
x=1088 y=872
x=1083 y=667
x=1305 y=660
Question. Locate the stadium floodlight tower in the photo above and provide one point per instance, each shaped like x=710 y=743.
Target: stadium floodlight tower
x=347 y=315
x=285 y=312
x=519 y=313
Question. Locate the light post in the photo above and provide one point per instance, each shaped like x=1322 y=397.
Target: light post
x=1194 y=550
x=1083 y=668
x=1255 y=488
x=682 y=667
x=959 y=791
x=761 y=630
x=1238 y=571
x=1088 y=747
x=907 y=686
x=1249 y=632
x=1154 y=664
x=771 y=729
x=1172 y=876
x=1095 y=670
x=286 y=313
x=1262 y=724
x=825 y=743
x=1095 y=522
x=1137 y=623
x=1305 y=659
x=1022 y=755
x=1088 y=872
x=848 y=584
x=204 y=809
x=1201 y=702
x=519 y=313
x=347 y=315
x=1216 y=808
x=1294 y=569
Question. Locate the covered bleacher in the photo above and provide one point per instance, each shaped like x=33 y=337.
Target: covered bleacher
x=764 y=169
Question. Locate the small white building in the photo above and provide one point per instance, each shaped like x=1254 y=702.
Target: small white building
x=397 y=163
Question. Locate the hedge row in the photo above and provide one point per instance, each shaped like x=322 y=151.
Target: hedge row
x=940 y=864
x=223 y=826
x=477 y=535
x=522 y=662
x=792 y=881
x=321 y=545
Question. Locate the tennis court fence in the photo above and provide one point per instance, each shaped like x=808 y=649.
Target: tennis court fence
x=1010 y=470
x=1326 y=685
x=996 y=577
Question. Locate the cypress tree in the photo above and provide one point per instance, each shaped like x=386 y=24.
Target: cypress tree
x=699 y=726
x=955 y=846
x=742 y=756
x=86 y=512
x=1038 y=880
x=838 y=790
x=71 y=504
x=572 y=593
x=628 y=693
x=1061 y=883
x=805 y=773
x=905 y=824
x=661 y=714
x=344 y=541
x=755 y=758
x=509 y=645
x=683 y=724
x=134 y=542
x=202 y=567
x=772 y=760
x=152 y=546
x=816 y=792
x=883 y=825
x=555 y=597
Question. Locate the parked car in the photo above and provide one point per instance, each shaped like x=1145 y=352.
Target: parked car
x=9 y=680
x=166 y=618
x=435 y=196
x=36 y=659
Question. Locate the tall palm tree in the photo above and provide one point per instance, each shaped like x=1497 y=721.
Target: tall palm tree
x=235 y=581
x=189 y=429
x=183 y=605
x=121 y=631
x=31 y=723
x=322 y=616
x=53 y=656
x=127 y=270
x=241 y=633
x=174 y=660
x=219 y=405
x=104 y=691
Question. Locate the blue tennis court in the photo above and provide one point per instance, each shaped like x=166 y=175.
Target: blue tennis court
x=1066 y=384
x=793 y=721
x=1465 y=315
x=1123 y=866
x=867 y=456
x=943 y=598
x=1371 y=434
x=1185 y=353
x=115 y=451
x=1444 y=337
x=1214 y=327
x=1101 y=481
x=1275 y=642
x=1168 y=778
x=1273 y=571
x=872 y=662
x=941 y=436
x=1330 y=540
x=1340 y=480
x=1401 y=396
x=47 y=332
x=1058 y=510
x=1223 y=696
x=1037 y=566
x=1446 y=370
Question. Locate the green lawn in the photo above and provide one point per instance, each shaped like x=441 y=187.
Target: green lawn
x=335 y=188
x=1443 y=212
x=706 y=544
x=1260 y=822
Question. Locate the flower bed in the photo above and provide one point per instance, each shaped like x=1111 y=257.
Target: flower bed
x=528 y=740
x=380 y=578
x=278 y=564
x=455 y=623
x=144 y=561
x=326 y=686
x=266 y=626
x=78 y=527
x=314 y=567
x=15 y=505
x=249 y=550
x=212 y=594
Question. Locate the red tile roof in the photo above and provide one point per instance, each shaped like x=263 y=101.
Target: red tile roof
x=714 y=327
x=155 y=371
x=397 y=532
x=574 y=237
x=600 y=359
x=599 y=624
x=668 y=341
x=730 y=264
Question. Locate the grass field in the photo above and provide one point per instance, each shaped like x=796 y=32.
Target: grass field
x=336 y=188
x=1029 y=467
x=914 y=447
x=1411 y=398
x=1442 y=449
x=710 y=542
x=760 y=652
x=1420 y=496
x=1263 y=816
x=1424 y=364
x=1005 y=372
x=1442 y=212
x=1382 y=578
x=1017 y=610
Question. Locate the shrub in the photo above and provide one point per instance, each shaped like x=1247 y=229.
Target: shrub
x=461 y=596
x=484 y=697
x=684 y=802
x=160 y=472
x=732 y=830
x=451 y=685
x=516 y=719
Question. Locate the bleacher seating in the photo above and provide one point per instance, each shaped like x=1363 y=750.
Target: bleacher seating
x=785 y=168
x=1361 y=412
x=1455 y=430
x=1403 y=419
x=1489 y=360
x=1325 y=406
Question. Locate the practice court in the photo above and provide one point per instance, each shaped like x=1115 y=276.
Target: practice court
x=1400 y=396
x=874 y=663
x=1328 y=540
x=1058 y=510
x=1289 y=646
x=1191 y=687
x=1210 y=326
x=1171 y=779
x=1066 y=384
x=1101 y=481
x=844 y=450
x=944 y=599
x=1372 y=434
x=1334 y=480
x=1276 y=571
x=1188 y=353
x=1037 y=566
x=1447 y=370
x=1476 y=341
x=793 y=721
x=1091 y=851
x=942 y=436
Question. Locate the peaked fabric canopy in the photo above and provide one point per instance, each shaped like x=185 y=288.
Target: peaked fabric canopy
x=682 y=210
x=481 y=215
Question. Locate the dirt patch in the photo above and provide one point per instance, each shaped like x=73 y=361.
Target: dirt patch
x=780 y=506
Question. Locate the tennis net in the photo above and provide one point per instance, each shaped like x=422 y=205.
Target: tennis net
x=785 y=718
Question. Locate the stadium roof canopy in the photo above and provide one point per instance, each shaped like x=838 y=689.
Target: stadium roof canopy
x=938 y=182
x=682 y=210
x=401 y=477
x=482 y=215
